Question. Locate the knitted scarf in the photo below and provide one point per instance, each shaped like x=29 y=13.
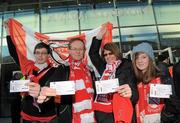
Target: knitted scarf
x=113 y=103
x=83 y=99
x=148 y=108
x=106 y=99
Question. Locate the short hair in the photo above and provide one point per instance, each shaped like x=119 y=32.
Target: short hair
x=74 y=40
x=113 y=48
x=42 y=45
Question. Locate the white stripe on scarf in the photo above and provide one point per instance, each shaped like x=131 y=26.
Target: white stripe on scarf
x=87 y=118
x=80 y=106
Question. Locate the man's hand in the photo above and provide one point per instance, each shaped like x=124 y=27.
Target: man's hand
x=45 y=93
x=34 y=89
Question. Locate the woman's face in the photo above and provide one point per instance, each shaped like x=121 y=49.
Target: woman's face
x=109 y=57
x=142 y=62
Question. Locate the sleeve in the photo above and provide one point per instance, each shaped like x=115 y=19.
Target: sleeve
x=12 y=49
x=26 y=65
x=95 y=57
x=126 y=75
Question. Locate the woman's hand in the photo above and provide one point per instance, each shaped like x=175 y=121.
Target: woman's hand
x=34 y=89
x=124 y=90
x=102 y=31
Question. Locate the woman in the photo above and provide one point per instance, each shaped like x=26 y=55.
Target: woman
x=114 y=107
x=148 y=109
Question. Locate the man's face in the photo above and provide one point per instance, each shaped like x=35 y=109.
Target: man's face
x=41 y=55
x=77 y=50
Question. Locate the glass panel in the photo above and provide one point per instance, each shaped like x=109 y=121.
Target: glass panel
x=167 y=13
x=0 y=25
x=29 y=19
x=135 y=35
x=135 y=15
x=116 y=37
x=92 y=18
x=57 y=20
x=170 y=37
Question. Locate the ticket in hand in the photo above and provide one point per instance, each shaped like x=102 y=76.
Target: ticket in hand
x=160 y=90
x=19 y=86
x=63 y=87
x=106 y=86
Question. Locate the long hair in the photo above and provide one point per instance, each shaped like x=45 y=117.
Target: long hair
x=148 y=75
x=113 y=48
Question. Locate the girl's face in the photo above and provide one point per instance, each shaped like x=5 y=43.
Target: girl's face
x=109 y=57
x=142 y=62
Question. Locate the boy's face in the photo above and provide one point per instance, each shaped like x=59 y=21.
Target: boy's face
x=41 y=55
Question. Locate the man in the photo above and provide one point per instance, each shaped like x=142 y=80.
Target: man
x=171 y=111
x=40 y=73
x=176 y=77
x=163 y=64
x=79 y=72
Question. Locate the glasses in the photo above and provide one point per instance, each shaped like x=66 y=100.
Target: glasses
x=106 y=54
x=74 y=49
x=40 y=53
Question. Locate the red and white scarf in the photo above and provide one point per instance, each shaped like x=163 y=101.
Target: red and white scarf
x=103 y=102
x=121 y=107
x=82 y=107
x=145 y=110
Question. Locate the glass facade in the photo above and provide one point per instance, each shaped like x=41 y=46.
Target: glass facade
x=158 y=24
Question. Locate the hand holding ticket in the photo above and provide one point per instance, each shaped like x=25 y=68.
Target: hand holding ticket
x=19 y=86
x=106 y=86
x=63 y=87
x=160 y=90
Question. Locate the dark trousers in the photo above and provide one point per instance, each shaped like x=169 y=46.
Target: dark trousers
x=16 y=108
x=102 y=117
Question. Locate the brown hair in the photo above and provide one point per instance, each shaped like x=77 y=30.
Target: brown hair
x=113 y=48
x=148 y=75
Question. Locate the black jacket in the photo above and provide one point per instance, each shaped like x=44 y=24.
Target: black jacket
x=124 y=72
x=61 y=73
x=171 y=110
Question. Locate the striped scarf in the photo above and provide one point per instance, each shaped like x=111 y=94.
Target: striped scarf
x=105 y=100
x=83 y=99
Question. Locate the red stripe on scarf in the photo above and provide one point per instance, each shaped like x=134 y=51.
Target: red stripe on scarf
x=79 y=71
